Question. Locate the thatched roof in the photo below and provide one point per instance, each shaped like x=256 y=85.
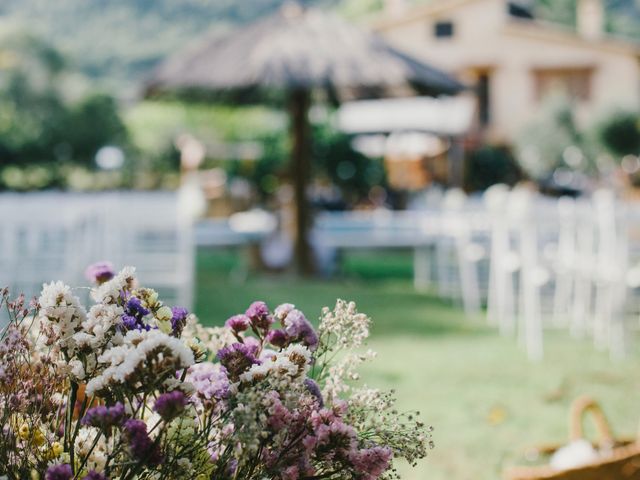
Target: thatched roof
x=300 y=49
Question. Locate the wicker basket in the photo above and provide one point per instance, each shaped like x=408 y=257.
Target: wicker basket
x=622 y=464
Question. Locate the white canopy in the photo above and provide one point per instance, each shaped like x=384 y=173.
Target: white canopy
x=450 y=116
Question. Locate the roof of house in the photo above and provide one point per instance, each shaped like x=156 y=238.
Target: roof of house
x=520 y=22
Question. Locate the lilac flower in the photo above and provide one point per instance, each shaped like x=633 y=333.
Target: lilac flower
x=99 y=272
x=300 y=329
x=142 y=447
x=314 y=389
x=61 y=471
x=236 y=359
x=178 y=320
x=258 y=313
x=277 y=338
x=253 y=345
x=209 y=380
x=232 y=466
x=93 y=475
x=238 y=323
x=170 y=405
x=104 y=417
x=372 y=462
x=283 y=310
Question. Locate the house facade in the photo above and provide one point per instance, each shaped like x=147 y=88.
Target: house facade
x=514 y=62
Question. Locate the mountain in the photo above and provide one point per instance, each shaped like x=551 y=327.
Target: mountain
x=118 y=41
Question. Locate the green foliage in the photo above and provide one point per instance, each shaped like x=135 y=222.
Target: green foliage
x=352 y=172
x=155 y=124
x=90 y=124
x=559 y=11
x=620 y=133
x=543 y=144
x=44 y=132
x=489 y=165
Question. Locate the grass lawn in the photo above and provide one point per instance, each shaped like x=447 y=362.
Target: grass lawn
x=485 y=400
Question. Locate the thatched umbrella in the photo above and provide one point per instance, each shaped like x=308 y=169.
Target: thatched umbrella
x=296 y=52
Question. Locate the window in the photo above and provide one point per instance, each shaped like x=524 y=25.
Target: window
x=519 y=10
x=575 y=83
x=484 y=99
x=443 y=29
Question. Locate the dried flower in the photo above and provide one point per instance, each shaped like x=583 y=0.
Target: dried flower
x=236 y=359
x=298 y=328
x=104 y=417
x=277 y=338
x=178 y=320
x=141 y=446
x=258 y=313
x=270 y=407
x=170 y=405
x=59 y=472
x=93 y=475
x=99 y=272
x=238 y=323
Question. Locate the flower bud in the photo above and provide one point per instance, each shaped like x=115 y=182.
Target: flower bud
x=164 y=314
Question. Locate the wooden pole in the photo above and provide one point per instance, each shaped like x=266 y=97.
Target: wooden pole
x=300 y=101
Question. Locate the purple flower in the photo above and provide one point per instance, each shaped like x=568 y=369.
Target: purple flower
x=170 y=405
x=253 y=345
x=300 y=329
x=142 y=447
x=134 y=313
x=236 y=359
x=93 y=475
x=178 y=320
x=258 y=313
x=238 y=323
x=314 y=389
x=283 y=310
x=209 y=380
x=104 y=417
x=129 y=321
x=232 y=466
x=134 y=307
x=371 y=462
x=99 y=272
x=61 y=471
x=278 y=338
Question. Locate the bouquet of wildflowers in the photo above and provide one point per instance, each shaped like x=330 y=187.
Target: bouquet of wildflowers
x=133 y=389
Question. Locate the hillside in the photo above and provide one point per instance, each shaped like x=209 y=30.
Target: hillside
x=118 y=41
x=115 y=42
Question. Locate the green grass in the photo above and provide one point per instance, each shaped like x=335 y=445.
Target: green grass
x=485 y=400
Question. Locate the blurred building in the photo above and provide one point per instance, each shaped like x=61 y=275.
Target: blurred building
x=515 y=60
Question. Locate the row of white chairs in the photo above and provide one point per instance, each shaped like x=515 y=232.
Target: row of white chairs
x=540 y=262
x=53 y=235
x=535 y=262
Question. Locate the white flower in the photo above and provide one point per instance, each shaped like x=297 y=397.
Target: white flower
x=211 y=338
x=348 y=327
x=135 y=355
x=290 y=363
x=109 y=292
x=61 y=315
x=77 y=369
x=99 y=326
x=164 y=313
x=84 y=441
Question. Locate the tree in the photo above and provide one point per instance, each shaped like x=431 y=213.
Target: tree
x=620 y=133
